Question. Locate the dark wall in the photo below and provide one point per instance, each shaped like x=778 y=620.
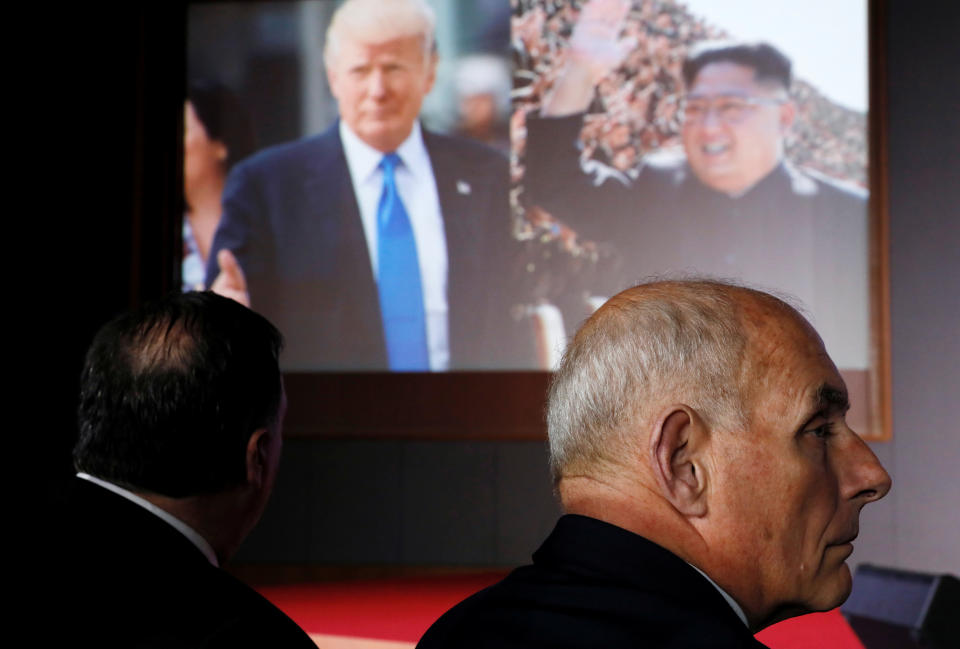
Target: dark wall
x=917 y=526
x=98 y=108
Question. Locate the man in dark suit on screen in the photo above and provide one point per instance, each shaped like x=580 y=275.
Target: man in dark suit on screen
x=711 y=484
x=375 y=244
x=180 y=419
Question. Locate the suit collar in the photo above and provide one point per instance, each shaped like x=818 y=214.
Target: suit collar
x=129 y=528
x=363 y=160
x=772 y=186
x=188 y=532
x=456 y=186
x=326 y=182
x=601 y=550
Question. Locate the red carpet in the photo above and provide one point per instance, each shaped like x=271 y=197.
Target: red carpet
x=389 y=609
x=401 y=610
x=827 y=630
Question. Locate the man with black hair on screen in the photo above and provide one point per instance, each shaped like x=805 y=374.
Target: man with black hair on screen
x=727 y=203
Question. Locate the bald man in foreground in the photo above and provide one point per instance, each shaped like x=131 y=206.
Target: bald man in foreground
x=711 y=484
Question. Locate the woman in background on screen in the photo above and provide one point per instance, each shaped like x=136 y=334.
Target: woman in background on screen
x=216 y=135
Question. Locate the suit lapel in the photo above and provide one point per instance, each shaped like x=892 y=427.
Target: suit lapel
x=338 y=238
x=456 y=192
x=458 y=196
x=329 y=196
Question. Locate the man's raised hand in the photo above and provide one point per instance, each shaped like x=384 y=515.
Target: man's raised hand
x=592 y=52
x=231 y=282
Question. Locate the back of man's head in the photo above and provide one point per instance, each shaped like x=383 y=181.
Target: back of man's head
x=770 y=65
x=172 y=392
x=657 y=343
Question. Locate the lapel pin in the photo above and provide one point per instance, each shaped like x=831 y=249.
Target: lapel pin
x=463 y=187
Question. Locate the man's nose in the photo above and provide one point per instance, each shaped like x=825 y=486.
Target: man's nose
x=710 y=118
x=864 y=477
x=377 y=84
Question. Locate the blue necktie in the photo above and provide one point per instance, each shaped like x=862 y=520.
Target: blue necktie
x=401 y=295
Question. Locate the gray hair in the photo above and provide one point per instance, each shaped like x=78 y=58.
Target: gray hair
x=485 y=74
x=381 y=20
x=652 y=344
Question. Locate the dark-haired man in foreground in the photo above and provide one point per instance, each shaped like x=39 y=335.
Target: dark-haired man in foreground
x=711 y=484
x=180 y=417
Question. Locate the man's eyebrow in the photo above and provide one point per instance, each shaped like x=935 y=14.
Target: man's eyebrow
x=829 y=397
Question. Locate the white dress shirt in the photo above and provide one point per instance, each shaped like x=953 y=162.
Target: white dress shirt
x=732 y=602
x=192 y=535
x=418 y=191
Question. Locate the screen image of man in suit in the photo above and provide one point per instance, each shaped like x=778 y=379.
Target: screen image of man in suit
x=376 y=244
x=710 y=482
x=180 y=417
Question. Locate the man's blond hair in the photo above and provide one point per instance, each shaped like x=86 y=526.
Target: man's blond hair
x=380 y=20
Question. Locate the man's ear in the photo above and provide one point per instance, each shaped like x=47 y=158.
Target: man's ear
x=676 y=448
x=258 y=457
x=332 y=79
x=788 y=112
x=431 y=72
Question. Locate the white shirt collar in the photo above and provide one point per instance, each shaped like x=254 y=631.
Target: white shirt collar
x=192 y=535
x=417 y=186
x=363 y=160
x=732 y=602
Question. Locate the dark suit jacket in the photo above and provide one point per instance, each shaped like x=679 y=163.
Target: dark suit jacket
x=121 y=577
x=291 y=218
x=594 y=585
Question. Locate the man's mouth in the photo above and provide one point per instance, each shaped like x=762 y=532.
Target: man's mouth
x=715 y=148
x=845 y=549
x=847 y=540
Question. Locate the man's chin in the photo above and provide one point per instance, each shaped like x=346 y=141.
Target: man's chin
x=384 y=134
x=846 y=585
x=835 y=592
x=718 y=177
x=826 y=597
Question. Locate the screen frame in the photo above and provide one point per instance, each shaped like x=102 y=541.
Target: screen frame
x=468 y=405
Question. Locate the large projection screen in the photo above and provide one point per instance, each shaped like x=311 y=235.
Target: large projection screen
x=581 y=217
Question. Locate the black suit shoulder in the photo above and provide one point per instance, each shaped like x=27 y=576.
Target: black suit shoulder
x=291 y=158
x=271 y=177
x=832 y=198
x=125 y=578
x=594 y=585
x=470 y=153
x=288 y=158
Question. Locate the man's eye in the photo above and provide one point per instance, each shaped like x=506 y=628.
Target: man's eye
x=822 y=432
x=732 y=110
